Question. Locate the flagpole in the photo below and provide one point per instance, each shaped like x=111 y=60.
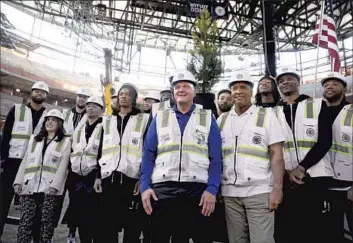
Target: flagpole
x=318 y=43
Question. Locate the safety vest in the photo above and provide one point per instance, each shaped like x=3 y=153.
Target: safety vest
x=40 y=171
x=68 y=121
x=341 y=151
x=245 y=156
x=123 y=154
x=162 y=106
x=182 y=157
x=22 y=130
x=84 y=156
x=306 y=133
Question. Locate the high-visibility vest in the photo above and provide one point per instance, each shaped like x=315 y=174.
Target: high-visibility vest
x=341 y=151
x=306 y=134
x=22 y=130
x=162 y=106
x=69 y=122
x=84 y=156
x=245 y=156
x=182 y=157
x=123 y=154
x=40 y=171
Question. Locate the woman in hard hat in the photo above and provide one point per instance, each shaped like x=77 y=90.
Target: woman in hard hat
x=41 y=178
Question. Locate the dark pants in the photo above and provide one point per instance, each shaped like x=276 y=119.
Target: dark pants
x=117 y=197
x=69 y=217
x=334 y=218
x=348 y=210
x=7 y=177
x=179 y=217
x=303 y=208
x=85 y=204
x=36 y=209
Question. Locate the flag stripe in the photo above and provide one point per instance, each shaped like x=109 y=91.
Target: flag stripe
x=328 y=36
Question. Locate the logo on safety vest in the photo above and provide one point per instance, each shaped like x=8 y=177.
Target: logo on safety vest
x=310 y=132
x=257 y=139
x=201 y=138
x=165 y=138
x=135 y=141
x=346 y=138
x=180 y=76
x=55 y=159
x=239 y=76
x=95 y=148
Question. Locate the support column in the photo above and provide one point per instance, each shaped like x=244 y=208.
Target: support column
x=269 y=40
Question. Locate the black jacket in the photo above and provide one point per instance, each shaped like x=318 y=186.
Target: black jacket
x=10 y=119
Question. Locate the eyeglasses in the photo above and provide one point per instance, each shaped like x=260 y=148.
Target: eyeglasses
x=184 y=86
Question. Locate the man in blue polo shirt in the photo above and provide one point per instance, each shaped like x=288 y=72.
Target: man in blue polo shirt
x=181 y=168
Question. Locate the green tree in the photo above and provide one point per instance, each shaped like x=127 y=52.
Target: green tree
x=205 y=62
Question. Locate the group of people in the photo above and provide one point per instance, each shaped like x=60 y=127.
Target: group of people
x=281 y=166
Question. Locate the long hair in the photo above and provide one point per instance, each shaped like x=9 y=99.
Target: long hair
x=275 y=93
x=60 y=133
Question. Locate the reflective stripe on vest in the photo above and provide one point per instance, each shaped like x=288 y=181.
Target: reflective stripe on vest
x=79 y=153
x=138 y=123
x=348 y=118
x=22 y=114
x=253 y=152
x=38 y=168
x=168 y=148
x=19 y=136
x=161 y=106
x=306 y=144
x=288 y=145
x=201 y=119
x=107 y=126
x=309 y=109
x=261 y=115
x=223 y=121
x=67 y=114
x=341 y=148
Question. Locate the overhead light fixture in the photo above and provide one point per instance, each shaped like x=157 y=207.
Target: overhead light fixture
x=18 y=90
x=65 y=100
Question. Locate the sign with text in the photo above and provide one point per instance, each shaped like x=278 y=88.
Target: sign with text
x=217 y=9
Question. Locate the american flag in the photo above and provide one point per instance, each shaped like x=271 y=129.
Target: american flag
x=328 y=37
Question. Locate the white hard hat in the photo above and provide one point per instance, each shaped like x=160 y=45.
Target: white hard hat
x=130 y=85
x=152 y=95
x=96 y=99
x=84 y=91
x=240 y=77
x=115 y=94
x=165 y=89
x=41 y=86
x=55 y=113
x=287 y=70
x=335 y=76
x=184 y=76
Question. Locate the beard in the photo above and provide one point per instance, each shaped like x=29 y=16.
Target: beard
x=224 y=107
x=334 y=97
x=81 y=106
x=38 y=100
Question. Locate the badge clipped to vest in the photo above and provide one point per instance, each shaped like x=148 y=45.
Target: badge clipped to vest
x=257 y=139
x=135 y=138
x=95 y=148
x=310 y=132
x=55 y=158
x=200 y=136
x=346 y=138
